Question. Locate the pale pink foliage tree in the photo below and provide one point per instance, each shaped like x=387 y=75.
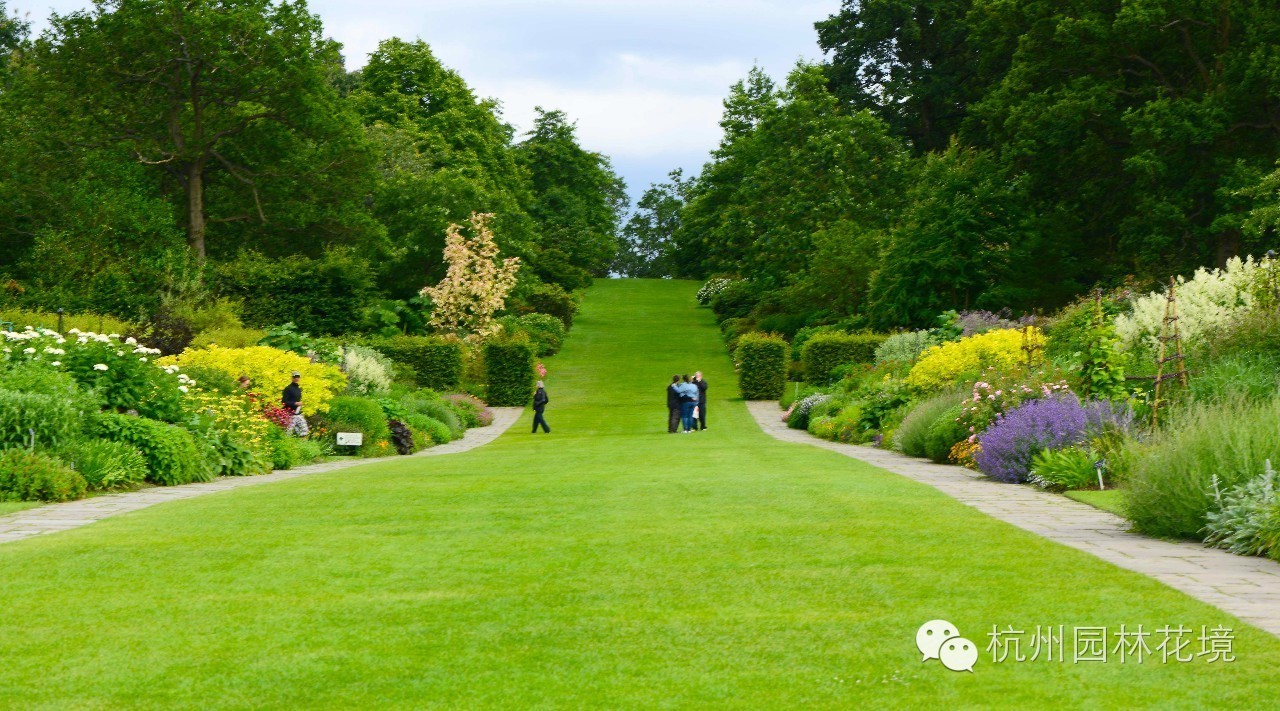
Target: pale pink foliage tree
x=476 y=285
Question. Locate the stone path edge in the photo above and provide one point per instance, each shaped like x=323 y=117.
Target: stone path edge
x=1247 y=587
x=52 y=518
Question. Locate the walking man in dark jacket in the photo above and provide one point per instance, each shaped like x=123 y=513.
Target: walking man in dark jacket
x=673 y=405
x=702 y=399
x=291 y=398
x=540 y=401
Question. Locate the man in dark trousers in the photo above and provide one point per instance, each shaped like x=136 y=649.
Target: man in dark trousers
x=291 y=398
x=673 y=405
x=702 y=399
x=540 y=401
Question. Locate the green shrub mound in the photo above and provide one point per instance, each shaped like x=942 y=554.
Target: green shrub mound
x=435 y=430
x=545 y=332
x=436 y=363
x=824 y=352
x=32 y=476
x=439 y=411
x=358 y=414
x=49 y=419
x=912 y=436
x=172 y=453
x=762 y=361
x=553 y=300
x=321 y=296
x=1172 y=477
x=508 y=366
x=945 y=433
x=107 y=465
x=288 y=451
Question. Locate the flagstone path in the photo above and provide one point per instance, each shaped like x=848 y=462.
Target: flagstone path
x=1247 y=587
x=73 y=514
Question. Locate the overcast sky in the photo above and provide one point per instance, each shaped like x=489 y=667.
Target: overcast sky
x=643 y=79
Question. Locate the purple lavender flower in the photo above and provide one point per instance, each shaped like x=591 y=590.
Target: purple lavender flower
x=975 y=322
x=1009 y=445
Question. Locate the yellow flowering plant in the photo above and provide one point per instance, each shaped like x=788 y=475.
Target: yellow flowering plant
x=950 y=363
x=236 y=415
x=270 y=370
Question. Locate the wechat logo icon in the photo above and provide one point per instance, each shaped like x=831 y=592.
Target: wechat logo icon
x=939 y=639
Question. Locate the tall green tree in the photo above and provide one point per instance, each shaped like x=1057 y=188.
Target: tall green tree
x=578 y=202
x=443 y=154
x=648 y=249
x=910 y=62
x=225 y=97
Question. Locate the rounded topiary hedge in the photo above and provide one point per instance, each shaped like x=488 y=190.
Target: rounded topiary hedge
x=824 y=352
x=508 y=366
x=436 y=362
x=762 y=361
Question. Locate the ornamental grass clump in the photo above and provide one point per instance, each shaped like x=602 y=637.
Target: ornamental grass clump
x=1008 y=447
x=1171 y=480
x=911 y=436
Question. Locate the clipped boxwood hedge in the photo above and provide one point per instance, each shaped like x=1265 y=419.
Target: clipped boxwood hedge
x=436 y=363
x=172 y=454
x=824 y=352
x=762 y=361
x=508 y=365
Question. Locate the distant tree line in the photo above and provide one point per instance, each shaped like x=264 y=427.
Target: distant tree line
x=984 y=154
x=156 y=150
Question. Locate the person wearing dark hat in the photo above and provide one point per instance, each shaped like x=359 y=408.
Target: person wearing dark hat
x=673 y=405
x=292 y=396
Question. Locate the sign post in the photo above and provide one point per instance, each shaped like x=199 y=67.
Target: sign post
x=350 y=439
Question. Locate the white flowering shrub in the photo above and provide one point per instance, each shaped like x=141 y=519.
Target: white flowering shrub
x=1211 y=298
x=711 y=288
x=368 y=371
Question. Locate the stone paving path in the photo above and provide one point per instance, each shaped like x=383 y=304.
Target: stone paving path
x=1246 y=587
x=73 y=514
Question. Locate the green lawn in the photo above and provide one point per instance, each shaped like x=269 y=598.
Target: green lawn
x=1110 y=500
x=8 y=507
x=607 y=565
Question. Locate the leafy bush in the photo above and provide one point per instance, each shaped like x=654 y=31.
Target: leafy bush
x=711 y=288
x=436 y=363
x=368 y=371
x=288 y=451
x=107 y=465
x=172 y=454
x=229 y=455
x=800 y=412
x=735 y=300
x=229 y=337
x=785 y=325
x=323 y=296
x=734 y=329
x=1206 y=447
x=957 y=361
x=546 y=332
x=1064 y=469
x=825 y=352
x=904 y=347
x=52 y=419
x=401 y=437
x=439 y=411
x=508 y=366
x=270 y=370
x=762 y=360
x=1009 y=446
x=469 y=409
x=1246 y=518
x=31 y=476
x=553 y=300
x=437 y=431
x=911 y=437
x=945 y=432
x=358 y=414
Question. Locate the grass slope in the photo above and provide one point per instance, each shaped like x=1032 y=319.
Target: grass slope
x=608 y=565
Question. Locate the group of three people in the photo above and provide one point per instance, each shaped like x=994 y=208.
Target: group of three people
x=687 y=403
